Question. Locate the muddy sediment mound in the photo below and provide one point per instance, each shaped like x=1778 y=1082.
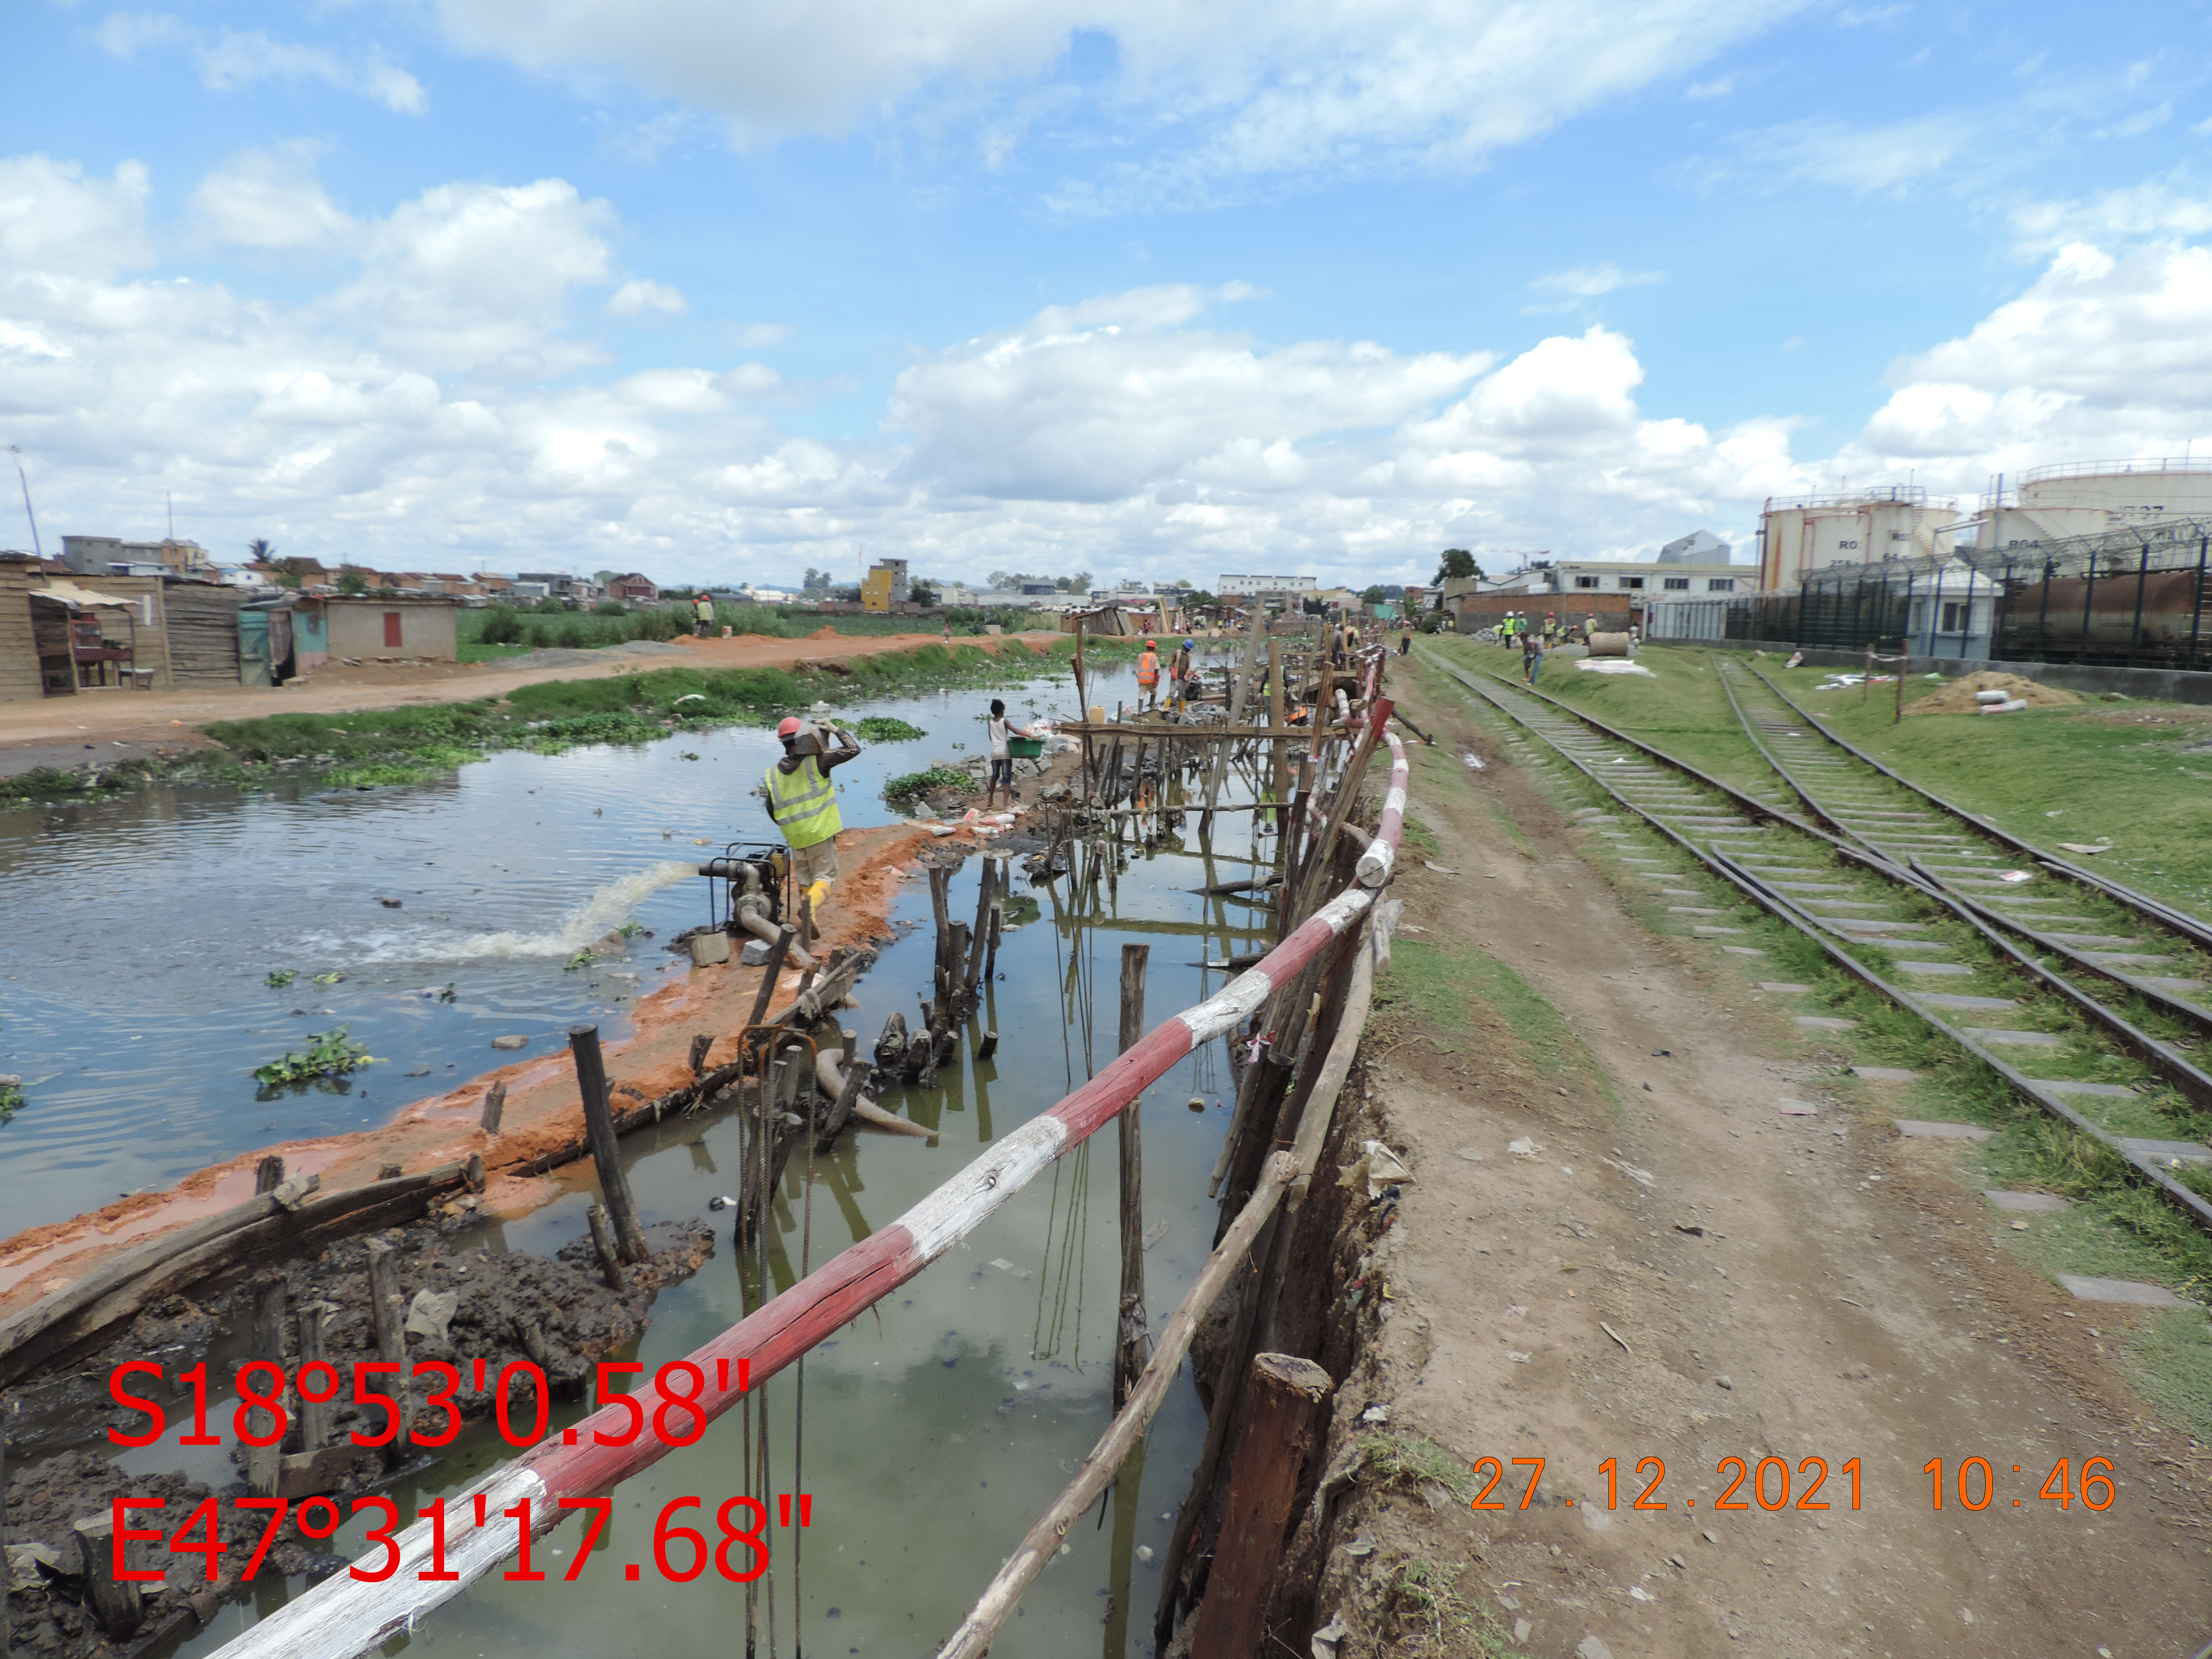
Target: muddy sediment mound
x=1958 y=697
x=507 y=1309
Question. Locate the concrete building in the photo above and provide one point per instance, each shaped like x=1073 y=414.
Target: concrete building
x=1263 y=587
x=2085 y=498
x=105 y=555
x=1797 y=537
x=885 y=584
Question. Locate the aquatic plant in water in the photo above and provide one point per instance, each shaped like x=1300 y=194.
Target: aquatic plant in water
x=279 y=978
x=919 y=783
x=885 y=728
x=331 y=1053
x=11 y=1101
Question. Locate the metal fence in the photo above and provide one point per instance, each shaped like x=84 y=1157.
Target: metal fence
x=2134 y=597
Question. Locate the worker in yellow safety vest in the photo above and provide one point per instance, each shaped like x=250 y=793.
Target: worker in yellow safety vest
x=804 y=802
x=1148 y=672
x=703 y=615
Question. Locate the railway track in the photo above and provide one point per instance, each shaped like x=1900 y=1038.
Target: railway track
x=1924 y=912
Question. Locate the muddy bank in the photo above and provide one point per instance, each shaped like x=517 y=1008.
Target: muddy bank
x=465 y=1305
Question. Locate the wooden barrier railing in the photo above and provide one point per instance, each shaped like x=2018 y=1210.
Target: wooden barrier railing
x=344 y=1617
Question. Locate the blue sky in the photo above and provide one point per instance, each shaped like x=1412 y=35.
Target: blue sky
x=722 y=291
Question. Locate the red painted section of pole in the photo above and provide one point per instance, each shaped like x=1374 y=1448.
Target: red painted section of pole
x=1143 y=1064
x=771 y=1338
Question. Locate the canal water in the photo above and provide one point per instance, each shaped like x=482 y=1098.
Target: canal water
x=935 y=1429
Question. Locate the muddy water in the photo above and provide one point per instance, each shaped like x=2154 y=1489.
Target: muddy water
x=935 y=1431
x=136 y=936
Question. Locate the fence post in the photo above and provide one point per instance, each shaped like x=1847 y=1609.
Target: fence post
x=2043 y=612
x=2135 y=631
x=599 y=1131
x=2000 y=613
x=2197 y=620
x=2088 y=599
x=1133 y=1338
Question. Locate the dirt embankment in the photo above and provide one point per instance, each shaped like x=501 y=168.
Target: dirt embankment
x=138 y=725
x=1615 y=1247
x=1958 y=697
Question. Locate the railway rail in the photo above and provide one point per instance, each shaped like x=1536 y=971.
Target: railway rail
x=1897 y=906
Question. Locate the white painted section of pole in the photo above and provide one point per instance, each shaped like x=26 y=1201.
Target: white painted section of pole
x=959 y=1207
x=343 y=1617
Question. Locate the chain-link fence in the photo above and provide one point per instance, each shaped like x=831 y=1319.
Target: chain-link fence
x=2133 y=597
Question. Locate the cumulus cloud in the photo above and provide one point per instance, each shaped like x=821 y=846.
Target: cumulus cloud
x=270 y=198
x=443 y=401
x=1244 y=87
x=1572 y=289
x=55 y=221
x=643 y=297
x=2106 y=354
x=2173 y=204
x=230 y=60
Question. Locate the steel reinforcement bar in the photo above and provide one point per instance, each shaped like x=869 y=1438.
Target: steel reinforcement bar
x=1778 y=904
x=344 y=1617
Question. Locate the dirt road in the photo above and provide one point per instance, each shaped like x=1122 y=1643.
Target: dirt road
x=135 y=725
x=1669 y=1269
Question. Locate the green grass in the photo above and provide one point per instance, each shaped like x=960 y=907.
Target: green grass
x=2121 y=770
x=2171 y=1354
x=1415 y=1460
x=500 y=631
x=412 y=744
x=1441 y=983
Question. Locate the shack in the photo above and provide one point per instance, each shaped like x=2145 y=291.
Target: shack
x=387 y=627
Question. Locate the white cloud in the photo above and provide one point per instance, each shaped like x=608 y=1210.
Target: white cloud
x=55 y=221
x=2104 y=355
x=229 y=60
x=1576 y=287
x=270 y=198
x=1281 y=88
x=2170 y=205
x=1859 y=17
x=1861 y=160
x=756 y=336
x=643 y=297
x=474 y=276
x=443 y=402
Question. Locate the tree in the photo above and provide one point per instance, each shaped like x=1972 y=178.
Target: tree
x=1372 y=596
x=259 y=549
x=921 y=594
x=351 y=585
x=290 y=573
x=1457 y=563
x=816 y=580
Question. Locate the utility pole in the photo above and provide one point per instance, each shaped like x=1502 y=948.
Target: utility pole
x=24 y=480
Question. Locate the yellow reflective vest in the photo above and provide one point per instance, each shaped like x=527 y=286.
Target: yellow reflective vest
x=804 y=803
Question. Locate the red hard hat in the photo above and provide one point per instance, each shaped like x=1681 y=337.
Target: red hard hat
x=789 y=728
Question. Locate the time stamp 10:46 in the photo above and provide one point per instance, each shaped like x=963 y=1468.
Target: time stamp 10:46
x=1773 y=1484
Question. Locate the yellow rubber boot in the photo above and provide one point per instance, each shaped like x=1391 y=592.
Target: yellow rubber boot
x=818 y=893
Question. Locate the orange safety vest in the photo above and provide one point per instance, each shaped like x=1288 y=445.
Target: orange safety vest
x=1148 y=669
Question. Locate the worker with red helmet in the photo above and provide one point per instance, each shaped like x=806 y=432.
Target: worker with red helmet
x=804 y=802
x=1148 y=673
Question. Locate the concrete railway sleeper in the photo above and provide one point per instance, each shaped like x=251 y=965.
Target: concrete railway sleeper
x=1895 y=931
x=1863 y=803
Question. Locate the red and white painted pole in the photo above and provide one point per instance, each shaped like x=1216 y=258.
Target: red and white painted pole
x=344 y=1617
